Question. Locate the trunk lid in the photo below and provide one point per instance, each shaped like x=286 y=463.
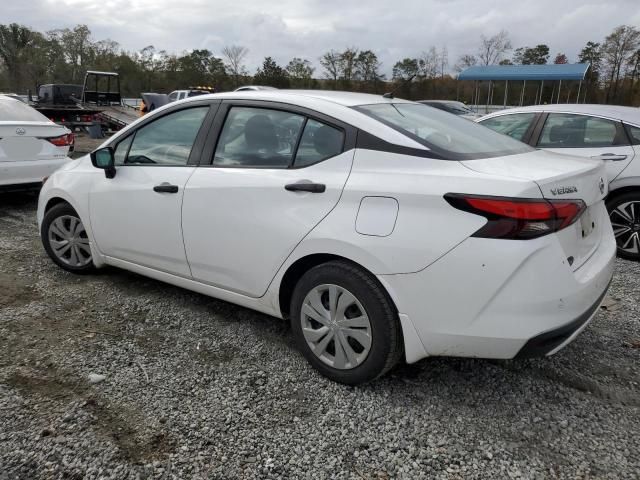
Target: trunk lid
x=22 y=141
x=561 y=177
x=558 y=176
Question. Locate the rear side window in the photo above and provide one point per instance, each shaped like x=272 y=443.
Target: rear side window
x=15 y=111
x=515 y=125
x=447 y=136
x=258 y=138
x=166 y=141
x=318 y=142
x=634 y=134
x=565 y=130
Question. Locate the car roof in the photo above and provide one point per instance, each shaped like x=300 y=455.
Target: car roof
x=331 y=103
x=626 y=114
x=347 y=99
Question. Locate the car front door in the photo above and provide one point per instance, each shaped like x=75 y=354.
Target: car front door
x=587 y=136
x=275 y=173
x=136 y=216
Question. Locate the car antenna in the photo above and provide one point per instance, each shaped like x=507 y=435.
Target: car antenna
x=404 y=82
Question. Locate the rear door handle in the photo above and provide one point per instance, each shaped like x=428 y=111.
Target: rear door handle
x=306 y=187
x=612 y=157
x=166 y=188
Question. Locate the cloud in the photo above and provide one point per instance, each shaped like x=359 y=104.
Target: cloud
x=288 y=28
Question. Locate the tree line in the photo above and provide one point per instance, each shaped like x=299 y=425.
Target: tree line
x=29 y=58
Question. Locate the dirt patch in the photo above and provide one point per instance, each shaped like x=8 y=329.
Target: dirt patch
x=15 y=291
x=109 y=420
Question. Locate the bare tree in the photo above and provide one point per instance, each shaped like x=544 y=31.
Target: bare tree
x=234 y=61
x=492 y=49
x=464 y=62
x=616 y=51
x=429 y=63
x=331 y=61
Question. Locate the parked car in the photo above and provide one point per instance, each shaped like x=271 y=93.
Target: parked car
x=606 y=132
x=253 y=88
x=380 y=227
x=189 y=92
x=451 y=106
x=31 y=146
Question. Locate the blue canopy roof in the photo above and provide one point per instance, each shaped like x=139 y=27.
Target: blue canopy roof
x=567 y=71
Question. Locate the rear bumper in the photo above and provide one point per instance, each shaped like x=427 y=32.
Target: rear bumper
x=551 y=342
x=29 y=171
x=502 y=299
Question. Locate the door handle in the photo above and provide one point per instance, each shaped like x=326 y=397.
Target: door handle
x=613 y=157
x=166 y=188
x=306 y=187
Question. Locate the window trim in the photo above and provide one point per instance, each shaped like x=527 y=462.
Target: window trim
x=630 y=138
x=198 y=144
x=528 y=133
x=620 y=130
x=349 y=132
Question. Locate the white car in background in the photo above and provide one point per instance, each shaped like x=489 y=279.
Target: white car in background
x=606 y=132
x=381 y=228
x=31 y=146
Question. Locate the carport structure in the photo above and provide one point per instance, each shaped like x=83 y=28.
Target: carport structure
x=569 y=72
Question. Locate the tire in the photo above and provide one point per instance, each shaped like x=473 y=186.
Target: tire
x=62 y=227
x=624 y=212
x=357 y=344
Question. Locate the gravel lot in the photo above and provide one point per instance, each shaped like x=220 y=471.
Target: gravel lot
x=198 y=388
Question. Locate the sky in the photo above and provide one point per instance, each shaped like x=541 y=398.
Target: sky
x=283 y=29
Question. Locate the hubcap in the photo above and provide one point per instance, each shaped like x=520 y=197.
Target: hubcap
x=69 y=241
x=625 y=219
x=336 y=326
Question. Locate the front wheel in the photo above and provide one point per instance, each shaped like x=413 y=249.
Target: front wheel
x=345 y=324
x=65 y=239
x=624 y=212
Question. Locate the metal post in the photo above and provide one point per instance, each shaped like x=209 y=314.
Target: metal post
x=541 y=91
x=506 y=89
x=579 y=88
x=524 y=87
x=559 y=88
x=486 y=107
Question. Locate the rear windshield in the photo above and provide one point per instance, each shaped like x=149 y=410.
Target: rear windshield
x=15 y=111
x=447 y=136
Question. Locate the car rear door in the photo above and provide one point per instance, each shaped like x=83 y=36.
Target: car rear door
x=587 y=136
x=136 y=216
x=274 y=172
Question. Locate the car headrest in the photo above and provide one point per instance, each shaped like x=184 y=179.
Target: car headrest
x=327 y=141
x=260 y=133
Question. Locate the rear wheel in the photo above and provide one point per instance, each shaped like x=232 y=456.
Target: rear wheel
x=624 y=212
x=345 y=324
x=65 y=239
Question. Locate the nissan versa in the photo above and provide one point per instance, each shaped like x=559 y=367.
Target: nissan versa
x=383 y=229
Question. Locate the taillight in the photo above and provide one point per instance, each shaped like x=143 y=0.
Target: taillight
x=62 y=141
x=518 y=218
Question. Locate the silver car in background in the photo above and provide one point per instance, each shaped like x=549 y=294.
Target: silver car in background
x=607 y=132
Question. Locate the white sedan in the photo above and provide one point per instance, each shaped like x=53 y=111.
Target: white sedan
x=606 y=132
x=31 y=146
x=383 y=229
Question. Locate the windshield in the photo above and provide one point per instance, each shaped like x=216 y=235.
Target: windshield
x=16 y=111
x=448 y=136
x=458 y=108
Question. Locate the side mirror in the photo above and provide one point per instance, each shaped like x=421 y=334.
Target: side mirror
x=104 y=160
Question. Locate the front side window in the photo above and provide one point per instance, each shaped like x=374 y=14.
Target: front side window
x=447 y=136
x=515 y=125
x=121 y=150
x=566 y=130
x=258 y=138
x=168 y=140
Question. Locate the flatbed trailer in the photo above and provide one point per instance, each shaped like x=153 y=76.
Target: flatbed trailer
x=102 y=90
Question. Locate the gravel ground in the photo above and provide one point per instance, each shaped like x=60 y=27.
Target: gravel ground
x=114 y=375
